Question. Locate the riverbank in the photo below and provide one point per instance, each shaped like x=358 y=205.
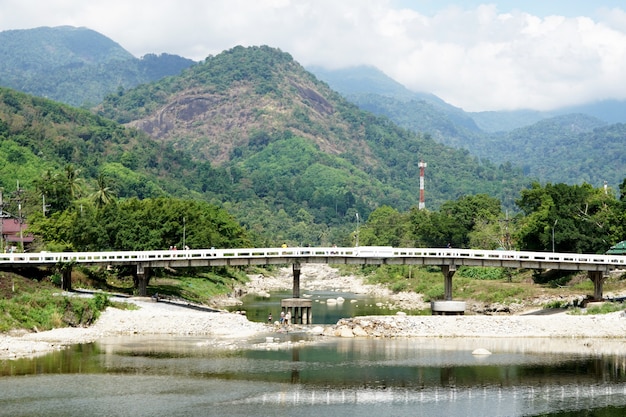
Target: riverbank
x=230 y=330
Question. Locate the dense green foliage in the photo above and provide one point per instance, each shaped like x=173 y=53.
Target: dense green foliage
x=575 y=218
x=62 y=153
x=134 y=224
x=578 y=219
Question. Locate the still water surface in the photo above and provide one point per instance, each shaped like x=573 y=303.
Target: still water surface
x=187 y=376
x=258 y=308
x=298 y=375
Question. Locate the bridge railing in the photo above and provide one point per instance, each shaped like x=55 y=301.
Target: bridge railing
x=159 y=255
x=40 y=258
x=510 y=255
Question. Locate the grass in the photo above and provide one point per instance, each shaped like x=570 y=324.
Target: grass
x=46 y=309
x=603 y=308
x=485 y=285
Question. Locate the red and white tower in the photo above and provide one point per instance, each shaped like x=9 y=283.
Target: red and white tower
x=422 y=203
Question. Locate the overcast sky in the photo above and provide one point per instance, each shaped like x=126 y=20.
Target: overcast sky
x=536 y=54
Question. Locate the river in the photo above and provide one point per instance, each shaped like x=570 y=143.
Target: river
x=291 y=376
x=296 y=374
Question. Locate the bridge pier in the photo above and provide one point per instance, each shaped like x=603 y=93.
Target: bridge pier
x=598 y=281
x=447 y=306
x=66 y=277
x=298 y=308
x=141 y=278
x=448 y=272
x=296 y=280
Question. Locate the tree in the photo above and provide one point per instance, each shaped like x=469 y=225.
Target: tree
x=455 y=220
x=385 y=226
x=104 y=194
x=74 y=184
x=570 y=218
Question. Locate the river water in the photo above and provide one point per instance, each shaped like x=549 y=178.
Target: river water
x=258 y=308
x=295 y=374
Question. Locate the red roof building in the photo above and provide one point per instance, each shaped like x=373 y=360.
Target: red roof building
x=13 y=233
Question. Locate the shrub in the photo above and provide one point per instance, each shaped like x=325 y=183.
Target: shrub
x=482 y=273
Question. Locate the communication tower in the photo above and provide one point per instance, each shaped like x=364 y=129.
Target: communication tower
x=422 y=203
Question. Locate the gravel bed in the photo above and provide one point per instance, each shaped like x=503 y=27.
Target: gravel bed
x=165 y=318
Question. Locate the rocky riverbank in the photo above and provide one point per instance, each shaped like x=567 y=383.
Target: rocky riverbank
x=234 y=330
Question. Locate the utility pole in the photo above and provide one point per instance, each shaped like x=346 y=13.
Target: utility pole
x=44 y=205
x=20 y=219
x=357 y=230
x=553 y=226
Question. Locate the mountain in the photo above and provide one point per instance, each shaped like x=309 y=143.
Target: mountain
x=248 y=129
x=77 y=66
x=40 y=138
x=364 y=85
x=569 y=145
x=291 y=142
x=573 y=149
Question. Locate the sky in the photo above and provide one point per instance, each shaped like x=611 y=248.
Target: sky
x=476 y=55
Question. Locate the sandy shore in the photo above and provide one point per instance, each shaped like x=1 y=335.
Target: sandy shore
x=167 y=319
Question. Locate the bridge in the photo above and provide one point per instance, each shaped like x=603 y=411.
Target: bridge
x=597 y=266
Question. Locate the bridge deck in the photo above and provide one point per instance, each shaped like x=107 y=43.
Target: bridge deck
x=331 y=255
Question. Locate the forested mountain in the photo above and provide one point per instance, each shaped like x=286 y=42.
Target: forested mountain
x=249 y=129
x=554 y=147
x=259 y=113
x=76 y=66
x=40 y=138
x=371 y=89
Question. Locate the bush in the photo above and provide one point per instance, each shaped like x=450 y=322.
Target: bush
x=45 y=311
x=482 y=273
x=101 y=301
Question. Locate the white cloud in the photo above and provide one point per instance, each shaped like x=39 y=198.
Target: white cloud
x=478 y=58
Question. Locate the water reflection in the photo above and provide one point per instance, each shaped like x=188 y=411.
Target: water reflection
x=372 y=377
x=258 y=308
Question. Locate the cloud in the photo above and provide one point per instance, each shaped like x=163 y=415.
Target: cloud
x=477 y=58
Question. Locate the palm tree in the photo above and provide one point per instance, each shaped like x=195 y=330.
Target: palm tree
x=103 y=194
x=74 y=183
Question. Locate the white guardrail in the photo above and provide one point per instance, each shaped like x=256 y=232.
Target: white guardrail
x=307 y=252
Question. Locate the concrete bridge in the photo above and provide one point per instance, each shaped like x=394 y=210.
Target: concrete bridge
x=597 y=266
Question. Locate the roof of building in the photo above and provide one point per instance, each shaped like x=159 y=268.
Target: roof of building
x=618 y=249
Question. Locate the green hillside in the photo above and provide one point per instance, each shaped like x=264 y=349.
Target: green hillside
x=77 y=66
x=572 y=145
x=288 y=139
x=251 y=130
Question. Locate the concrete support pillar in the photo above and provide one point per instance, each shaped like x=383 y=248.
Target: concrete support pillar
x=598 y=280
x=296 y=280
x=448 y=272
x=298 y=308
x=143 y=277
x=66 y=277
